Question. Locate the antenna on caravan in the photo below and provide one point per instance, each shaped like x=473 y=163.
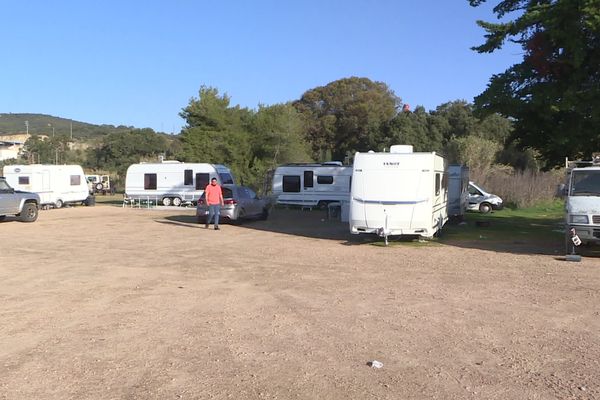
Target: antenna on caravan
x=161 y=158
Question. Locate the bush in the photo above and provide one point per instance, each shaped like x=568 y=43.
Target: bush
x=522 y=188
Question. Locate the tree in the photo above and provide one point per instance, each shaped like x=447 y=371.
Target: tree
x=117 y=151
x=414 y=128
x=346 y=115
x=553 y=95
x=217 y=133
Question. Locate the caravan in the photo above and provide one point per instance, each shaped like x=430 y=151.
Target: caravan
x=172 y=182
x=312 y=184
x=55 y=184
x=399 y=193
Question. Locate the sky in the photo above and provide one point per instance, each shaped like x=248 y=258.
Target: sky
x=138 y=63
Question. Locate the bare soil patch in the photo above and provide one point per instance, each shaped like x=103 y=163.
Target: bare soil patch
x=117 y=303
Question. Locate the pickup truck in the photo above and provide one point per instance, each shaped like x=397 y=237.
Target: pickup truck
x=24 y=205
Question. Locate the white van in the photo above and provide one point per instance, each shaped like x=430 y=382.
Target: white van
x=482 y=201
x=55 y=184
x=312 y=184
x=172 y=182
x=399 y=193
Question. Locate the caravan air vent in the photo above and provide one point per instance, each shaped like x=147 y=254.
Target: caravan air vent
x=401 y=148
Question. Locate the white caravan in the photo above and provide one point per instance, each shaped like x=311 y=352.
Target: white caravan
x=458 y=190
x=312 y=184
x=55 y=184
x=172 y=182
x=399 y=193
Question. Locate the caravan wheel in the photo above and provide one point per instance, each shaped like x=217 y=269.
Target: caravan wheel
x=58 y=204
x=166 y=201
x=176 y=201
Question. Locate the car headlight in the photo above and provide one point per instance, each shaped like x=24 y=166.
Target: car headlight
x=579 y=219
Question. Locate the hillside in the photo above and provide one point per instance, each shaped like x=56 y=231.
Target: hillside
x=41 y=124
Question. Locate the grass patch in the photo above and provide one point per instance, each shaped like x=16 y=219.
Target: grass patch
x=109 y=199
x=538 y=223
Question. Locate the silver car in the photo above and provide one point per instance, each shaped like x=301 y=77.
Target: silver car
x=240 y=202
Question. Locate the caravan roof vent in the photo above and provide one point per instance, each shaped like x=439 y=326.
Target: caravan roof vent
x=336 y=163
x=401 y=148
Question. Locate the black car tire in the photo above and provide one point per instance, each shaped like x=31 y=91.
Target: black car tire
x=264 y=215
x=485 y=208
x=29 y=213
x=2 y=218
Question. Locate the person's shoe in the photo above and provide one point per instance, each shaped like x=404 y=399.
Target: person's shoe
x=217 y=228
x=205 y=226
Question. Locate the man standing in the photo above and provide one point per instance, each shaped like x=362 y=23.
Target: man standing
x=214 y=199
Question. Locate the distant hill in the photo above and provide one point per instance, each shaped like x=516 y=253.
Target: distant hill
x=41 y=124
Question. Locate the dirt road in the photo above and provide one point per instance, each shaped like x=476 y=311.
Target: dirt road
x=112 y=303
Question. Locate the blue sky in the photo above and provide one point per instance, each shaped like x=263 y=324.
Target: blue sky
x=138 y=63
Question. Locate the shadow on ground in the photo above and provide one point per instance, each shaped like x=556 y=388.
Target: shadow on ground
x=517 y=235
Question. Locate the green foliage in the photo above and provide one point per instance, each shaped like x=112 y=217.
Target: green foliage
x=217 y=133
x=117 y=151
x=347 y=115
x=553 y=95
x=417 y=128
x=40 y=124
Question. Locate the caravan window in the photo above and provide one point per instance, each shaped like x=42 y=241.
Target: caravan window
x=202 y=180
x=188 y=177
x=325 y=180
x=23 y=180
x=149 y=181
x=291 y=183
x=75 y=180
x=226 y=178
x=438 y=185
x=308 y=179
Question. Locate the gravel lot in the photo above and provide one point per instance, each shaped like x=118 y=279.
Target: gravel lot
x=118 y=303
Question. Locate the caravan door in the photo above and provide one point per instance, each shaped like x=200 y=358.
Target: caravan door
x=43 y=180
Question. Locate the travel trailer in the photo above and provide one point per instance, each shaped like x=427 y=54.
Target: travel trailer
x=582 y=202
x=56 y=185
x=312 y=184
x=172 y=182
x=458 y=190
x=399 y=193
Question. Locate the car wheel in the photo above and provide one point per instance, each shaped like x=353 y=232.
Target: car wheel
x=2 y=218
x=58 y=204
x=264 y=215
x=485 y=208
x=29 y=213
x=176 y=201
x=166 y=201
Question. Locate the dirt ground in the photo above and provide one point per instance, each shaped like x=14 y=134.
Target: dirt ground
x=117 y=303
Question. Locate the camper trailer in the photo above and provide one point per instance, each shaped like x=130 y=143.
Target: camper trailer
x=458 y=190
x=172 y=182
x=312 y=184
x=399 y=193
x=55 y=184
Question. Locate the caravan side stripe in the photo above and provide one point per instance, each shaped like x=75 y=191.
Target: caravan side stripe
x=388 y=202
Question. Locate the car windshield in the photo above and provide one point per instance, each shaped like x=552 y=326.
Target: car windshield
x=227 y=193
x=585 y=183
x=4 y=185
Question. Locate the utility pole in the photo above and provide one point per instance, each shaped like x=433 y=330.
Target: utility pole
x=71 y=130
x=27 y=127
